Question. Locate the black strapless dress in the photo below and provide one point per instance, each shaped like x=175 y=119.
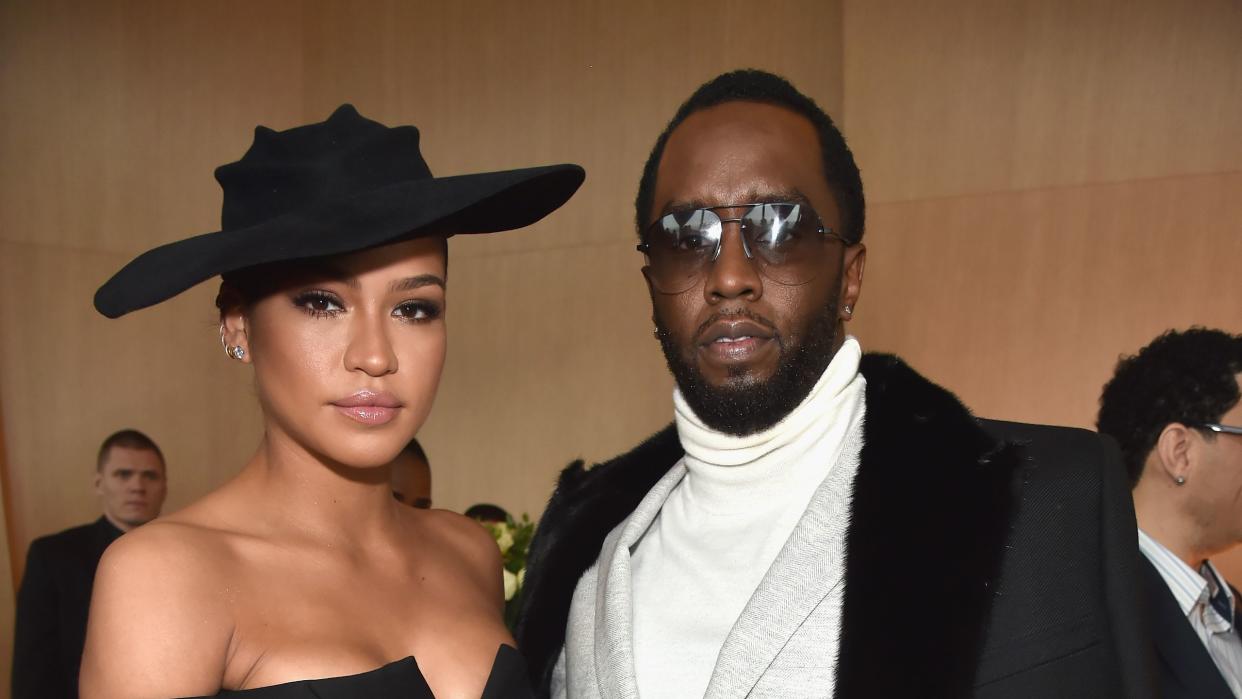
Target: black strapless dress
x=398 y=680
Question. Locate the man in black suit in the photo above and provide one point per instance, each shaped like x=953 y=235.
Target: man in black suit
x=1174 y=409
x=776 y=542
x=55 y=594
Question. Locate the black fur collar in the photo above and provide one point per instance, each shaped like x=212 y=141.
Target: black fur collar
x=930 y=514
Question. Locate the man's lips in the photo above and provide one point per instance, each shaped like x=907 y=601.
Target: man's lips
x=735 y=341
x=727 y=331
x=369 y=407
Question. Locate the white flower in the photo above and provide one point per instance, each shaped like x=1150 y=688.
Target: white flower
x=504 y=538
x=511 y=585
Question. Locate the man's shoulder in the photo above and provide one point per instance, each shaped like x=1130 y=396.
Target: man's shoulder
x=70 y=540
x=636 y=470
x=600 y=496
x=1052 y=448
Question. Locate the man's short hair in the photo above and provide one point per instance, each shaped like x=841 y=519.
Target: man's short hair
x=1184 y=377
x=130 y=439
x=415 y=449
x=487 y=512
x=758 y=86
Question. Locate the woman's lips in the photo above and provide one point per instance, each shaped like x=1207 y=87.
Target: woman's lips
x=369 y=407
x=368 y=414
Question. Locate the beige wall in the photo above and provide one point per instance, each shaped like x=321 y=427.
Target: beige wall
x=1051 y=184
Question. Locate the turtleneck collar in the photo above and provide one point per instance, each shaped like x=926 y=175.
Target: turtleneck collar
x=726 y=471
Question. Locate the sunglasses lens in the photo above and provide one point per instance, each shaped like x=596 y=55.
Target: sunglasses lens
x=787 y=241
x=680 y=246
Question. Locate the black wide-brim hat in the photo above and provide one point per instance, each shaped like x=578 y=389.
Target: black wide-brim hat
x=339 y=186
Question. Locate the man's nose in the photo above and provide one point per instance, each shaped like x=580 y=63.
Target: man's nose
x=733 y=273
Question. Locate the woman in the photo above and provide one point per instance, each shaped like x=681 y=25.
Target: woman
x=333 y=264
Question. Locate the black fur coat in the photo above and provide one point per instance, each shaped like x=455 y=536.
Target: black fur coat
x=933 y=515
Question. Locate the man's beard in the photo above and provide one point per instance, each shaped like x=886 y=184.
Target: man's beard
x=746 y=406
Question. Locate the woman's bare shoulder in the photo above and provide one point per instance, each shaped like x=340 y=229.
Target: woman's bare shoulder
x=161 y=597
x=469 y=543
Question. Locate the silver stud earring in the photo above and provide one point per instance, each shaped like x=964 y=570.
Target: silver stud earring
x=236 y=352
x=1180 y=480
x=849 y=311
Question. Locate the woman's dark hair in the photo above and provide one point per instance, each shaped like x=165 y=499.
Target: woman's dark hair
x=1190 y=378
x=840 y=170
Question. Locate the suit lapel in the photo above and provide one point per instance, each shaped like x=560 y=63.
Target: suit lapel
x=808 y=568
x=614 y=596
x=1181 y=652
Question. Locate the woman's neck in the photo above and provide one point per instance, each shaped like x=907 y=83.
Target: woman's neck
x=310 y=496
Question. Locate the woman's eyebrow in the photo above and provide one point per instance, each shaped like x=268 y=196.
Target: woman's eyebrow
x=415 y=282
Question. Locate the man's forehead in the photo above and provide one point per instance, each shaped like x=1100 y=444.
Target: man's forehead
x=132 y=458
x=740 y=152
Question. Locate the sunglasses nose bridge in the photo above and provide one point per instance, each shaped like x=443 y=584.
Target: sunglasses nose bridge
x=740 y=234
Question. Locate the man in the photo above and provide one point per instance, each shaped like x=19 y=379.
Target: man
x=410 y=476
x=55 y=594
x=816 y=522
x=1174 y=409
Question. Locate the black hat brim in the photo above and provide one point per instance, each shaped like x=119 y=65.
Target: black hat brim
x=477 y=203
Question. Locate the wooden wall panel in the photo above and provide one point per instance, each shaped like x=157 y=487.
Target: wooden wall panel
x=72 y=377
x=114 y=114
x=1022 y=301
x=7 y=579
x=546 y=372
x=974 y=96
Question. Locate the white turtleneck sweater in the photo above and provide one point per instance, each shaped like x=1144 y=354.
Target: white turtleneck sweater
x=724 y=524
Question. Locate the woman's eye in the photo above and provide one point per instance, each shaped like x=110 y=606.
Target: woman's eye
x=417 y=310
x=318 y=304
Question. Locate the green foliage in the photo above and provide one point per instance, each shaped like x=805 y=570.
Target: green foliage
x=513 y=539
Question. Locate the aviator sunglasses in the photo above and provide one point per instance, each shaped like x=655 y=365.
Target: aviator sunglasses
x=785 y=239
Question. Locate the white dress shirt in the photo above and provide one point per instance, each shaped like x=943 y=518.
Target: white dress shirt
x=1193 y=592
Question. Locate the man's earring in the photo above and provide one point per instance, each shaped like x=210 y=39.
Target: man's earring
x=1180 y=480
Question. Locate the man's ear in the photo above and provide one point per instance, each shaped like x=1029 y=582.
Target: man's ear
x=851 y=279
x=1173 y=452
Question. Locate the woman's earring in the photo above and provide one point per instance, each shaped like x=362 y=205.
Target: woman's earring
x=1180 y=480
x=848 y=310
x=236 y=352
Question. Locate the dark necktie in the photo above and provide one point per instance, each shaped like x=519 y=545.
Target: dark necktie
x=1220 y=600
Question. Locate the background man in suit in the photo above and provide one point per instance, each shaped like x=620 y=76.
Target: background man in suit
x=816 y=522
x=55 y=594
x=1174 y=410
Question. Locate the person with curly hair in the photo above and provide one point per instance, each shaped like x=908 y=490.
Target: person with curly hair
x=1174 y=409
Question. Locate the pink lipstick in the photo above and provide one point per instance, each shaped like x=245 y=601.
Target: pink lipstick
x=369 y=407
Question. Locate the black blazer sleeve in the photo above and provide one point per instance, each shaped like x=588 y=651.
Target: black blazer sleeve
x=36 y=642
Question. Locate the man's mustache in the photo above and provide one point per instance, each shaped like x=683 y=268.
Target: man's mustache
x=740 y=314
